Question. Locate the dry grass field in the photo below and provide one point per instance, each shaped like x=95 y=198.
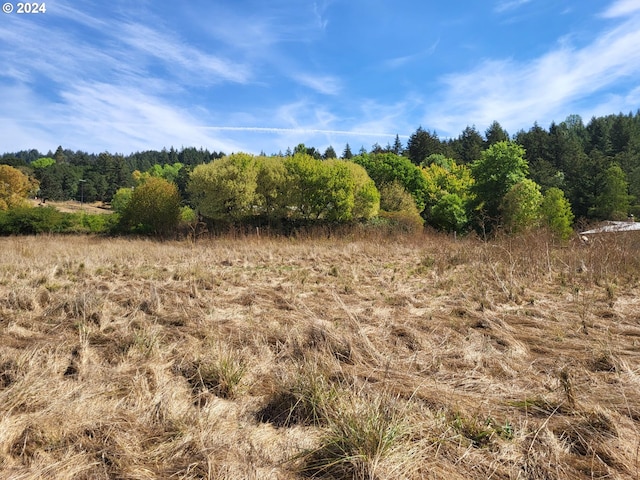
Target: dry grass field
x=71 y=206
x=367 y=358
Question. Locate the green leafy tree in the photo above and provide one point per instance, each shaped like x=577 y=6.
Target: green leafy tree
x=15 y=187
x=43 y=162
x=501 y=167
x=449 y=213
x=445 y=178
x=521 y=206
x=319 y=190
x=225 y=189
x=169 y=171
x=154 y=207
x=121 y=199
x=556 y=213
x=271 y=188
x=386 y=168
x=366 y=198
x=613 y=201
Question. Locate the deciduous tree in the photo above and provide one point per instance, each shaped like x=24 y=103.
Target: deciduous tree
x=521 y=206
x=556 y=213
x=501 y=166
x=225 y=189
x=154 y=207
x=387 y=168
x=15 y=187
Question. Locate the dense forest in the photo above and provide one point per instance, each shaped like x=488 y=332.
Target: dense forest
x=476 y=180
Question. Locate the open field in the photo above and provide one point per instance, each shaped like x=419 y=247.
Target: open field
x=262 y=358
x=70 y=206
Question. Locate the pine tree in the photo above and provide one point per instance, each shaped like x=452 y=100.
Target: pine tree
x=347 y=155
x=397 y=148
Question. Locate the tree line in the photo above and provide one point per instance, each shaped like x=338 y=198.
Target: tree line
x=484 y=182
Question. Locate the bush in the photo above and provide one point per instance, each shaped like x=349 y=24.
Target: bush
x=225 y=189
x=154 y=208
x=405 y=222
x=31 y=221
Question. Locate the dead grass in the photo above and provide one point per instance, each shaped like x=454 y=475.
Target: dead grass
x=72 y=206
x=256 y=358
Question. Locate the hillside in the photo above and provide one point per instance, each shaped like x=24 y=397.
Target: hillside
x=418 y=358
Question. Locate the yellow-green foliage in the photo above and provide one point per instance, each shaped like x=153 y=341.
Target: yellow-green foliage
x=556 y=213
x=299 y=187
x=225 y=189
x=449 y=193
x=271 y=194
x=399 y=208
x=394 y=198
x=449 y=178
x=15 y=186
x=154 y=207
x=319 y=190
x=121 y=199
x=521 y=206
x=366 y=198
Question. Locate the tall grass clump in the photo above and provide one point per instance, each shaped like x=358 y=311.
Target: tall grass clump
x=359 y=437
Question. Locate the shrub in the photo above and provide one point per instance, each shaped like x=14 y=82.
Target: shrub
x=154 y=207
x=225 y=189
x=30 y=221
x=556 y=213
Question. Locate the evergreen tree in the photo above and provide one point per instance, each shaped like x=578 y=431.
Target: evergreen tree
x=397 y=147
x=494 y=134
x=329 y=153
x=421 y=144
x=347 y=155
x=60 y=156
x=469 y=145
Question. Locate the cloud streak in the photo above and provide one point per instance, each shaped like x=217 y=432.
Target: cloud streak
x=509 y=5
x=303 y=131
x=622 y=8
x=516 y=92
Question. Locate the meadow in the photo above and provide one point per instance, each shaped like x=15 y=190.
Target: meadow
x=365 y=356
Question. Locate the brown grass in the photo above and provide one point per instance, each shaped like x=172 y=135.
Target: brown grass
x=259 y=358
x=71 y=206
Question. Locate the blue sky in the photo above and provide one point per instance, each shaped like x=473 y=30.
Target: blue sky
x=252 y=75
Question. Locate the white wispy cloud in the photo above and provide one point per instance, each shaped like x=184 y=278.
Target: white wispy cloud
x=622 y=8
x=181 y=57
x=319 y=11
x=402 y=60
x=517 y=93
x=325 y=84
x=507 y=5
